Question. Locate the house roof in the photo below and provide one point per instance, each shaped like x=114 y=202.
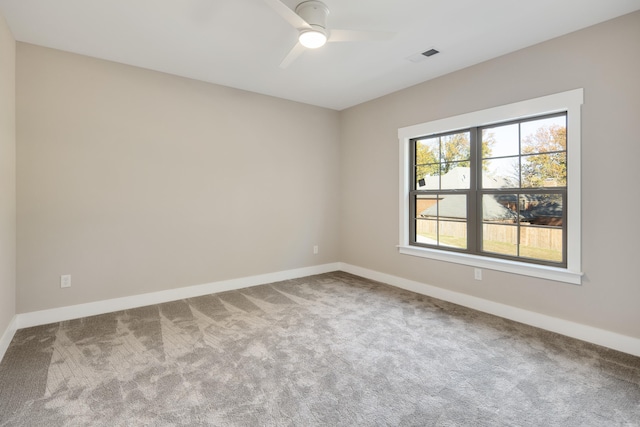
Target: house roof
x=459 y=178
x=549 y=209
x=456 y=178
x=456 y=207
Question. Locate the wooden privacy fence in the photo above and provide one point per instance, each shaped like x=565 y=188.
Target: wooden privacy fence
x=531 y=236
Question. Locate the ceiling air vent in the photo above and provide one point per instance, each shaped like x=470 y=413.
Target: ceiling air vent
x=419 y=57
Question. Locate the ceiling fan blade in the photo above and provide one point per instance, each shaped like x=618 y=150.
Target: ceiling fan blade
x=358 y=36
x=292 y=55
x=289 y=15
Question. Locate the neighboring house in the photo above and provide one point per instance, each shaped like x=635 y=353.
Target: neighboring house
x=459 y=177
x=536 y=210
x=501 y=208
x=544 y=213
x=455 y=207
x=455 y=178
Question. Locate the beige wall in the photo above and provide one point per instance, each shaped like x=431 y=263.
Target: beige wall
x=134 y=181
x=7 y=176
x=605 y=61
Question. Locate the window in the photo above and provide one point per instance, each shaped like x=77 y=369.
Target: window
x=498 y=188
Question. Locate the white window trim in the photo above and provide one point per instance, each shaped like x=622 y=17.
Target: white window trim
x=571 y=102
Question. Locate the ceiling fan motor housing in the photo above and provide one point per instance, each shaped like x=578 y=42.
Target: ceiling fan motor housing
x=314 y=13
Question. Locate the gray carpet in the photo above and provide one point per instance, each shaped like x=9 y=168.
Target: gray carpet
x=331 y=350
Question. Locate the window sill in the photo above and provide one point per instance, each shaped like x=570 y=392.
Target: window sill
x=521 y=268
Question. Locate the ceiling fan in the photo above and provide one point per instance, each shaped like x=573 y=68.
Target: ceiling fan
x=310 y=19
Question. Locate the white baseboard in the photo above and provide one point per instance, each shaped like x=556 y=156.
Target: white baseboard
x=582 y=332
x=43 y=317
x=7 y=336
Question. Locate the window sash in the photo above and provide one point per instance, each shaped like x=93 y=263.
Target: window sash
x=570 y=101
x=475 y=225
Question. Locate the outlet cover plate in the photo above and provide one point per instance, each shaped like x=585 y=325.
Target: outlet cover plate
x=65 y=281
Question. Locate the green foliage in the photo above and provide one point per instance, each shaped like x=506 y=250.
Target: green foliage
x=426 y=160
x=545 y=163
x=441 y=154
x=456 y=150
x=487 y=145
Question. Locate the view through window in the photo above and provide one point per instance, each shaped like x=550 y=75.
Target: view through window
x=498 y=190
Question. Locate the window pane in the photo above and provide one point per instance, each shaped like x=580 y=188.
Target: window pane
x=432 y=207
x=500 y=239
x=545 y=135
x=544 y=170
x=456 y=147
x=541 y=209
x=452 y=215
x=427 y=177
x=452 y=234
x=543 y=243
x=500 y=173
x=427 y=231
x=455 y=176
x=427 y=151
x=442 y=220
x=423 y=203
x=502 y=208
x=453 y=206
x=427 y=157
x=501 y=141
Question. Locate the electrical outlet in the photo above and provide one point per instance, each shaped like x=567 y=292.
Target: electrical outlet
x=477 y=273
x=315 y=250
x=65 y=281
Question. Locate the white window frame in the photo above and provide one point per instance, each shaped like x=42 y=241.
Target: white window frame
x=571 y=102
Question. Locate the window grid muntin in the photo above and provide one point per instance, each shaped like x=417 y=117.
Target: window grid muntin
x=438 y=195
x=475 y=193
x=441 y=164
x=520 y=192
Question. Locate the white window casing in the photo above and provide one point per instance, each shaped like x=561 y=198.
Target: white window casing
x=571 y=102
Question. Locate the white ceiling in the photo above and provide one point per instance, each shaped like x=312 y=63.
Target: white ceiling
x=240 y=43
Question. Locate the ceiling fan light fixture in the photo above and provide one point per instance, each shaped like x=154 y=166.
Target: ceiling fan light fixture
x=312 y=39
